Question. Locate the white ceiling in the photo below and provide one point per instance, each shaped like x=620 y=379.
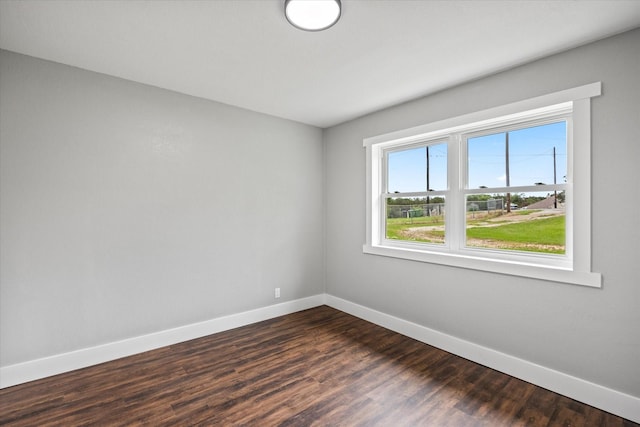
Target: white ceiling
x=244 y=53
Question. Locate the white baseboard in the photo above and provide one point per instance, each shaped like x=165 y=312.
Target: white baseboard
x=604 y=398
x=53 y=365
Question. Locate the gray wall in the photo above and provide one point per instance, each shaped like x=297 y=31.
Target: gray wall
x=590 y=333
x=127 y=209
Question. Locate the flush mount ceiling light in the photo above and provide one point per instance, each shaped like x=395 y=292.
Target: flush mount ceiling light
x=312 y=15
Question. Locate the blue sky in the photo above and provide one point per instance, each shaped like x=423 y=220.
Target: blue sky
x=530 y=161
x=408 y=169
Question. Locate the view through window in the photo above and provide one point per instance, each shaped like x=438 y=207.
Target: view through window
x=513 y=189
x=518 y=219
x=420 y=170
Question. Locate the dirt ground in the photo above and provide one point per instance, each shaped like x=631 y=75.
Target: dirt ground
x=490 y=220
x=484 y=219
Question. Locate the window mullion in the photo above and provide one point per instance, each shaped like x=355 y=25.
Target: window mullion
x=454 y=221
x=382 y=201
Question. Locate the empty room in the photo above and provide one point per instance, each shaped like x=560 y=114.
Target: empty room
x=319 y=213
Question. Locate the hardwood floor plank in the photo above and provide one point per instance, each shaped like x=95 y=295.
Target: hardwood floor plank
x=317 y=367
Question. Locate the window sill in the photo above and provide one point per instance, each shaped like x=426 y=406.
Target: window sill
x=510 y=268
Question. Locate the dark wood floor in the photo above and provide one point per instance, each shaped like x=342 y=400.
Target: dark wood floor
x=315 y=367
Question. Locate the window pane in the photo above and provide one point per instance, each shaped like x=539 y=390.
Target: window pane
x=536 y=155
x=536 y=222
x=487 y=161
x=418 y=169
x=415 y=219
x=535 y=151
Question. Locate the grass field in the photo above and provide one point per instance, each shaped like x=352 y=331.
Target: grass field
x=525 y=230
x=541 y=235
x=403 y=229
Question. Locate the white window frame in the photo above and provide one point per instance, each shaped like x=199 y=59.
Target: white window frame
x=573 y=268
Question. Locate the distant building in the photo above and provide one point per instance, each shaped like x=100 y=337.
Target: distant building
x=544 y=204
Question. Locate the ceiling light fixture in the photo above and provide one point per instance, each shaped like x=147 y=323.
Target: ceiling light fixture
x=312 y=15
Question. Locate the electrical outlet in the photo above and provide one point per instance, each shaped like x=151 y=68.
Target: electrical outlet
x=277 y=294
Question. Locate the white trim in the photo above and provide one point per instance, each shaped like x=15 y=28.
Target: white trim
x=65 y=362
x=618 y=403
x=580 y=169
x=493 y=265
x=484 y=117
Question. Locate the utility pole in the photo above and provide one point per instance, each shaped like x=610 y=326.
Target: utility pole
x=428 y=198
x=555 y=192
x=507 y=171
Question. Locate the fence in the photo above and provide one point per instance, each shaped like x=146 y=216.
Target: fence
x=415 y=211
x=437 y=209
x=486 y=205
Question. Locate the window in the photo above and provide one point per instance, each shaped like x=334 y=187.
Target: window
x=513 y=200
x=416 y=186
x=504 y=190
